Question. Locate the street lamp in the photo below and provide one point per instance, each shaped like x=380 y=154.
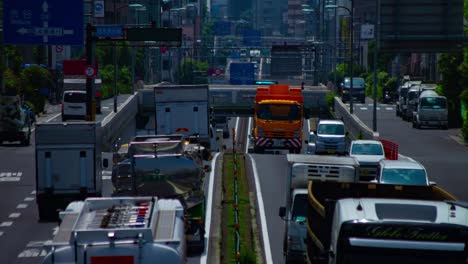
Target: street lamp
x=132 y=5
x=351 y=108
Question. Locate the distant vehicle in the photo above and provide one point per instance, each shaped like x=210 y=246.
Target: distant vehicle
x=311 y=143
x=402 y=101
x=368 y=153
x=221 y=123
x=402 y=173
x=74 y=105
x=431 y=110
x=15 y=121
x=359 y=89
x=184 y=109
x=331 y=137
x=411 y=103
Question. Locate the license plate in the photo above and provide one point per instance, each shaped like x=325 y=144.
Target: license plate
x=365 y=172
x=331 y=151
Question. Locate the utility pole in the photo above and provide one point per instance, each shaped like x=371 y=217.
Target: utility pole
x=351 y=105
x=90 y=88
x=376 y=32
x=2 y=63
x=114 y=51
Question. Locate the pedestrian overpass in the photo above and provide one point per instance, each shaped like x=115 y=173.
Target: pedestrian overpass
x=238 y=100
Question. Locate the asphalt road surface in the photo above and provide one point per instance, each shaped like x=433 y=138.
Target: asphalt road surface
x=445 y=159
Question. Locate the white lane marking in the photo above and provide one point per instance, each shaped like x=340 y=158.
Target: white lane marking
x=1 y=233
x=56 y=229
x=6 y=224
x=29 y=199
x=10 y=179
x=33 y=192
x=21 y=206
x=378 y=108
x=105 y=107
x=363 y=108
x=389 y=108
x=261 y=209
x=34 y=249
x=209 y=203
x=106 y=175
x=52 y=118
x=14 y=215
x=248 y=133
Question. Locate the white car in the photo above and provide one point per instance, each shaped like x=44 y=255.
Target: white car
x=73 y=105
x=402 y=172
x=368 y=153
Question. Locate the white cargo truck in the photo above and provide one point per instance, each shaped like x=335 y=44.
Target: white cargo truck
x=68 y=165
x=123 y=230
x=303 y=168
x=184 y=109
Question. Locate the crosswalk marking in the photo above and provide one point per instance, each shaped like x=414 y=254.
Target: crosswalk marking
x=29 y=199
x=10 y=176
x=389 y=108
x=14 y=215
x=363 y=108
x=21 y=206
x=6 y=224
x=34 y=249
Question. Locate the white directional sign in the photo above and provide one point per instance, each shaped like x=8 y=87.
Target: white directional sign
x=367 y=32
x=48 y=22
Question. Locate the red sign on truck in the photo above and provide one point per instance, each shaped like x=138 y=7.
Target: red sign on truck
x=76 y=67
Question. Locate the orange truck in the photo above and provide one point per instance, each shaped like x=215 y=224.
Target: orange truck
x=278 y=118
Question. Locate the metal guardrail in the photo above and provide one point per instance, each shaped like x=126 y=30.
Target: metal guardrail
x=353 y=124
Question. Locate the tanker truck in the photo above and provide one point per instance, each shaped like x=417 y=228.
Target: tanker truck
x=119 y=230
x=167 y=167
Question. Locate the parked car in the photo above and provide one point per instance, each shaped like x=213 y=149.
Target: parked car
x=311 y=143
x=74 y=105
x=404 y=172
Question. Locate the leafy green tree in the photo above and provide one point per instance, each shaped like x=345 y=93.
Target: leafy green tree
x=32 y=80
x=193 y=72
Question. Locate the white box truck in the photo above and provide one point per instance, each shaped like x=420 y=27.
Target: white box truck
x=68 y=165
x=122 y=230
x=184 y=109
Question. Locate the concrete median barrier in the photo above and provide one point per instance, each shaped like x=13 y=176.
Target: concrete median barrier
x=354 y=125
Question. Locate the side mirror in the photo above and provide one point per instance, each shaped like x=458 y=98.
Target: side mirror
x=374 y=181
x=282 y=212
x=433 y=183
x=347 y=133
x=306 y=141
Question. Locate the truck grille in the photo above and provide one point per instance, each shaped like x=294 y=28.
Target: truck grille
x=367 y=172
x=323 y=171
x=272 y=134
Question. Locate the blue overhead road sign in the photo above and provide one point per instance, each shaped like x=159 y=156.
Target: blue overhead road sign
x=43 y=22
x=113 y=31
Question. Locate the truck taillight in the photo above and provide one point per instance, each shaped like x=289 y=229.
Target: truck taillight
x=98 y=94
x=61 y=105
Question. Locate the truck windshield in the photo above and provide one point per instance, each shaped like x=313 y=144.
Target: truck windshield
x=401 y=242
x=331 y=129
x=357 y=82
x=433 y=103
x=366 y=255
x=367 y=149
x=404 y=176
x=299 y=209
x=280 y=112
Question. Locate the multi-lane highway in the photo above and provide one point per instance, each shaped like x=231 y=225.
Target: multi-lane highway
x=22 y=236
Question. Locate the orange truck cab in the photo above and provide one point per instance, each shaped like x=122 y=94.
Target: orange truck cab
x=278 y=118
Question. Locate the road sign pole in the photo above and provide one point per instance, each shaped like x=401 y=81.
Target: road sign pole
x=2 y=63
x=90 y=91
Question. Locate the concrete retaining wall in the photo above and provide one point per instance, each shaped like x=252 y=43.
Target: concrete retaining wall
x=353 y=124
x=116 y=123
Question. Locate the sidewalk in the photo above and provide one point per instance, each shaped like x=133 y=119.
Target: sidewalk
x=50 y=111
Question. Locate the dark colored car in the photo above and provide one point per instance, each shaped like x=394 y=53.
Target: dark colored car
x=359 y=89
